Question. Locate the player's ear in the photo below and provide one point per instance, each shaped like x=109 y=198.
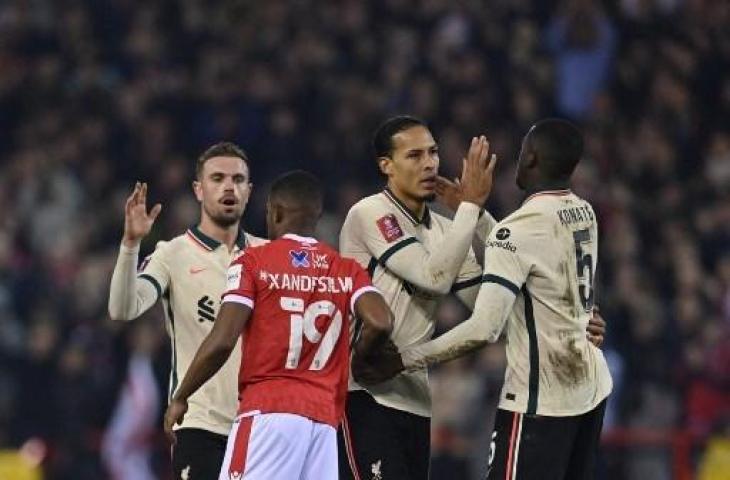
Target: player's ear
x=278 y=213
x=273 y=212
x=198 y=190
x=386 y=165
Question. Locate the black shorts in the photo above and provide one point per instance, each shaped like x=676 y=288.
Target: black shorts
x=198 y=454
x=528 y=447
x=376 y=439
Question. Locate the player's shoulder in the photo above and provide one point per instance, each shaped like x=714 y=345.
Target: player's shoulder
x=342 y=263
x=255 y=250
x=524 y=223
x=333 y=253
x=581 y=201
x=527 y=214
x=250 y=254
x=254 y=241
x=329 y=254
x=363 y=216
x=168 y=249
x=171 y=245
x=370 y=206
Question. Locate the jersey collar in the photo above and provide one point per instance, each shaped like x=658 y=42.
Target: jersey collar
x=558 y=188
x=299 y=238
x=547 y=192
x=425 y=220
x=210 y=243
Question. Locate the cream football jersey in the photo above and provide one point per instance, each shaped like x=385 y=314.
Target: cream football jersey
x=546 y=252
x=189 y=274
x=413 y=262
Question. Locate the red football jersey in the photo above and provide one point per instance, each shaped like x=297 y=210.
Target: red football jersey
x=296 y=344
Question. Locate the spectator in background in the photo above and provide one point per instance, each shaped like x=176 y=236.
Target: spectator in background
x=582 y=39
x=126 y=447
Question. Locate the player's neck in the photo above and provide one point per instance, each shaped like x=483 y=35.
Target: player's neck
x=547 y=185
x=226 y=235
x=295 y=229
x=416 y=207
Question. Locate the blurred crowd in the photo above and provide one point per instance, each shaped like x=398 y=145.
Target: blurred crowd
x=95 y=95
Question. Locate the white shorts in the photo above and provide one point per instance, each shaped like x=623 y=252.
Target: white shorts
x=279 y=446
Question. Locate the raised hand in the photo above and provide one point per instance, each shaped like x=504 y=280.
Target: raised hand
x=478 y=173
x=137 y=221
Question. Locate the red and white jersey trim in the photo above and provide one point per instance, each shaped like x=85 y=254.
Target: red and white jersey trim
x=233 y=298
x=359 y=292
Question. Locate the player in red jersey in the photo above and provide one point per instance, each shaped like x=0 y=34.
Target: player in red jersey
x=290 y=300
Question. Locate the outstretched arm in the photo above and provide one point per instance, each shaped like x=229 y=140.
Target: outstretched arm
x=493 y=306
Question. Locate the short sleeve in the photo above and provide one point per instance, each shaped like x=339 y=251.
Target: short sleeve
x=508 y=254
x=155 y=268
x=241 y=281
x=360 y=284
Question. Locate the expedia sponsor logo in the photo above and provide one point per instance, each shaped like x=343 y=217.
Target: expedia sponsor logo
x=506 y=245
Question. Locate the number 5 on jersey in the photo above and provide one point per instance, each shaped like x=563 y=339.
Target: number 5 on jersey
x=303 y=324
x=584 y=261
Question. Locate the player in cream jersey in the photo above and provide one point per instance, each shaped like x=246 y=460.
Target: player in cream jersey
x=188 y=273
x=414 y=257
x=382 y=235
x=546 y=254
x=539 y=270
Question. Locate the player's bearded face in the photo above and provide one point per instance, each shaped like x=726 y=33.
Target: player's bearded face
x=413 y=166
x=224 y=189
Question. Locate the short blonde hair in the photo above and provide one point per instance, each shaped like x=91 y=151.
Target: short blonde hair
x=220 y=149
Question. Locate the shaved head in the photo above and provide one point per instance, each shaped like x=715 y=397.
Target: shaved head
x=295 y=204
x=559 y=144
x=550 y=152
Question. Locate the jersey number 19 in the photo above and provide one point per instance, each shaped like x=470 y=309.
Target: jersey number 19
x=303 y=324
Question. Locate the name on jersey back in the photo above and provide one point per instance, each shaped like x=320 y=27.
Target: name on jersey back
x=580 y=214
x=306 y=283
